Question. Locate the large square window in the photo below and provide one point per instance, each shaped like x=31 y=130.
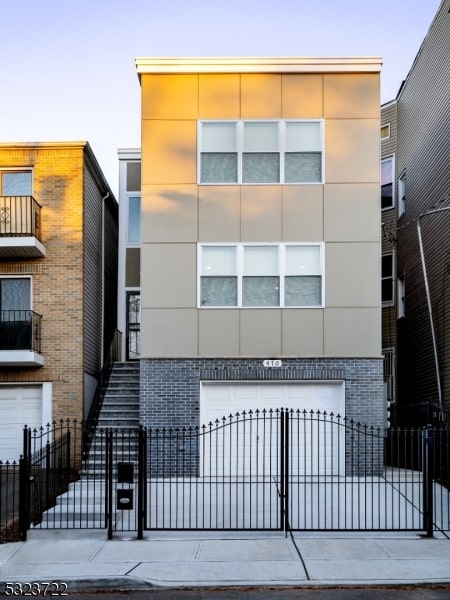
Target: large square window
x=260 y=152
x=15 y=183
x=261 y=275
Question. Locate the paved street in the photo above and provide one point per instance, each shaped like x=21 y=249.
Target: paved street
x=291 y=593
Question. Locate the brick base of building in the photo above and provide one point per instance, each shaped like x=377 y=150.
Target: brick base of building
x=170 y=388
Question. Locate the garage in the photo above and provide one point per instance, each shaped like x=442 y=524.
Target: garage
x=247 y=445
x=19 y=406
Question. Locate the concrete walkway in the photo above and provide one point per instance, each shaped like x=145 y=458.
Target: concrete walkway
x=86 y=560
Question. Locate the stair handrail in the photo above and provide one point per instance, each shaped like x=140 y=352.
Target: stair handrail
x=90 y=422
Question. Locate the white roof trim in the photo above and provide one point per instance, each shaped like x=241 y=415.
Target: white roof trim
x=258 y=65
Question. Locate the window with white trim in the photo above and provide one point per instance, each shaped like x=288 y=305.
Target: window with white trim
x=261 y=275
x=385 y=131
x=387 y=183
x=134 y=220
x=15 y=298
x=260 y=152
x=401 y=296
x=15 y=183
x=389 y=374
x=387 y=279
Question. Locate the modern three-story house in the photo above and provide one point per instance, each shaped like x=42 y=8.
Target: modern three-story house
x=260 y=238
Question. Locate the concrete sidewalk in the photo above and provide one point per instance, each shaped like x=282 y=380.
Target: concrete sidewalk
x=86 y=560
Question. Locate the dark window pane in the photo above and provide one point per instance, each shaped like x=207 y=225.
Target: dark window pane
x=387 y=293
x=219 y=167
x=303 y=291
x=262 y=167
x=260 y=291
x=386 y=196
x=218 y=291
x=386 y=265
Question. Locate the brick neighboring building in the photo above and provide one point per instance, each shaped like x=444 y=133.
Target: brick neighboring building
x=58 y=281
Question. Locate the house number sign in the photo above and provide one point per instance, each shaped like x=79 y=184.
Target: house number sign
x=272 y=363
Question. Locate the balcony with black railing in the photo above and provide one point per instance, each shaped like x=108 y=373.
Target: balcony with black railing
x=20 y=227
x=20 y=338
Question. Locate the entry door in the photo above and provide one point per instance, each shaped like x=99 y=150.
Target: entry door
x=133 y=325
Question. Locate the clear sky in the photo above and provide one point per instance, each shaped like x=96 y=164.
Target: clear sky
x=68 y=71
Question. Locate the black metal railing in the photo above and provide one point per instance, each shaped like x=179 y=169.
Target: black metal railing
x=112 y=356
x=20 y=330
x=19 y=216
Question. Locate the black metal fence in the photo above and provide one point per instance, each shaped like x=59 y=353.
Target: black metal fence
x=9 y=501
x=264 y=470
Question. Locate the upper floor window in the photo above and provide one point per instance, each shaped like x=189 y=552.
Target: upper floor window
x=387 y=181
x=15 y=183
x=387 y=279
x=260 y=152
x=134 y=220
x=15 y=296
x=401 y=194
x=385 y=131
x=401 y=296
x=284 y=275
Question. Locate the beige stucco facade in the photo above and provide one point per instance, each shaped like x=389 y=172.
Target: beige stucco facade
x=343 y=212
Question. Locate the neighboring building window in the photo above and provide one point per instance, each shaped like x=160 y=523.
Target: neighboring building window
x=401 y=297
x=255 y=152
x=385 y=131
x=387 y=279
x=15 y=183
x=267 y=275
x=15 y=296
x=387 y=180
x=134 y=220
x=401 y=194
x=389 y=374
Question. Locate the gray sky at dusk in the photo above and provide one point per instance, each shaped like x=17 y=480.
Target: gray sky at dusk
x=68 y=70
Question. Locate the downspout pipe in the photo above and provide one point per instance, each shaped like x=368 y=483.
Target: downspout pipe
x=427 y=291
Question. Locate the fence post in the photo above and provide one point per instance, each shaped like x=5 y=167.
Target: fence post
x=281 y=467
x=427 y=467
x=109 y=481
x=24 y=485
x=141 y=504
x=286 y=472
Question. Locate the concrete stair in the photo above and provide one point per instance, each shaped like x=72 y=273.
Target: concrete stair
x=120 y=413
x=83 y=505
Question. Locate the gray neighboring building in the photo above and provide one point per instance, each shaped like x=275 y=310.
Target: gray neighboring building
x=416 y=139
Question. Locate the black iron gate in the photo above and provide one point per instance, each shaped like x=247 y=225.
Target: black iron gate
x=262 y=470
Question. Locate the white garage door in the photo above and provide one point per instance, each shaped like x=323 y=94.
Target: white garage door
x=245 y=447
x=19 y=406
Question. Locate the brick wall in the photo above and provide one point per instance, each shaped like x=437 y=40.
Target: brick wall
x=57 y=279
x=170 y=388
